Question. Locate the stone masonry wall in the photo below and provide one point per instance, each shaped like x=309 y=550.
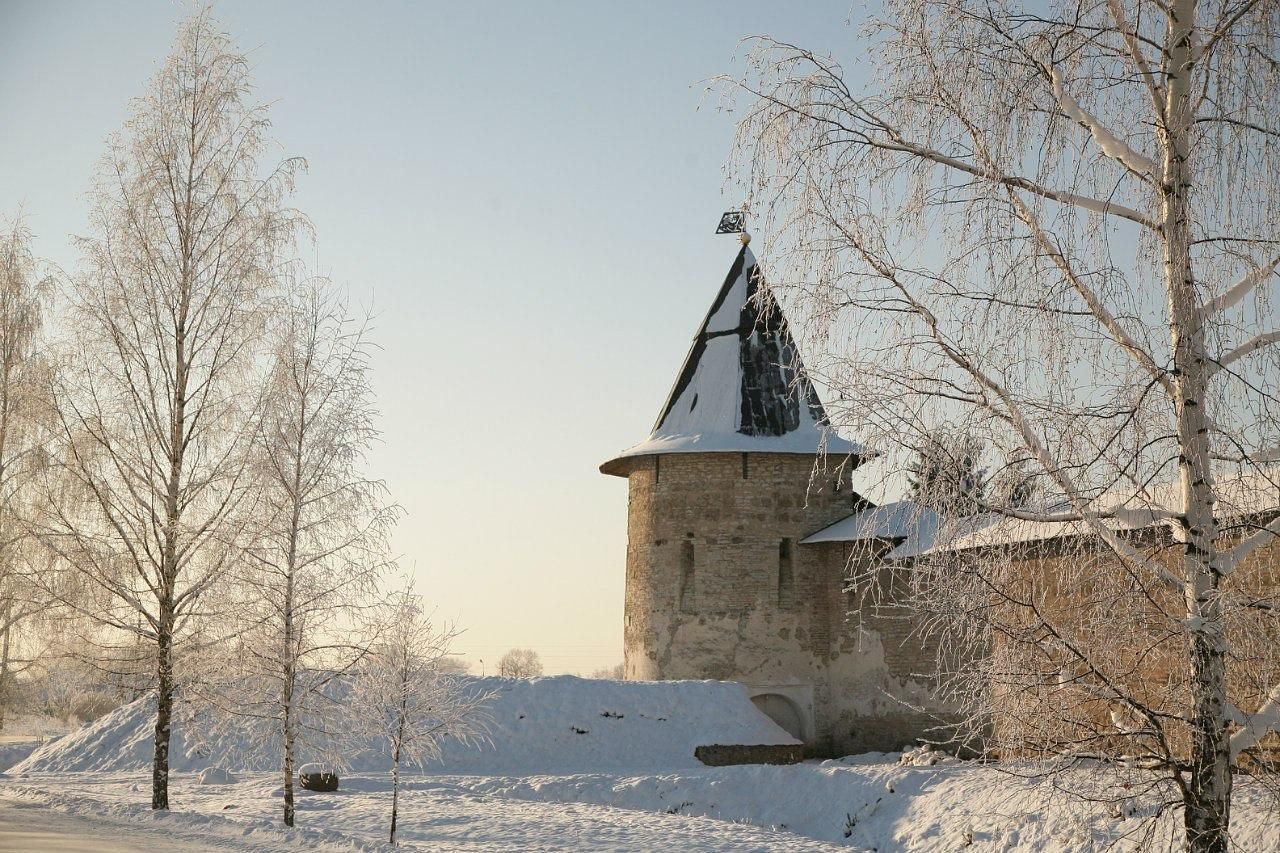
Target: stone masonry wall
x=719 y=587
x=882 y=670
x=1090 y=599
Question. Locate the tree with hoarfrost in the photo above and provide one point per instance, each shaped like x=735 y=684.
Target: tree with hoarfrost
x=520 y=663
x=158 y=391
x=401 y=700
x=453 y=665
x=322 y=544
x=1054 y=225
x=617 y=672
x=25 y=426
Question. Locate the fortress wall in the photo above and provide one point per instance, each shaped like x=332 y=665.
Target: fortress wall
x=1088 y=595
x=881 y=675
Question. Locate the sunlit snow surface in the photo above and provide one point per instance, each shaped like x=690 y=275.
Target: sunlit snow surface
x=628 y=782
x=871 y=803
x=561 y=724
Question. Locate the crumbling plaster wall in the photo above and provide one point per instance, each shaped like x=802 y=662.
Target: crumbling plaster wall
x=882 y=670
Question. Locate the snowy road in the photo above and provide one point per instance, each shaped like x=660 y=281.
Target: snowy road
x=28 y=827
x=437 y=815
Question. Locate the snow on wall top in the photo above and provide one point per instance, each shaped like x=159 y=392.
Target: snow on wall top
x=1238 y=496
x=899 y=520
x=552 y=725
x=742 y=386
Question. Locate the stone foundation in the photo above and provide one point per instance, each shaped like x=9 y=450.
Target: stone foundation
x=720 y=755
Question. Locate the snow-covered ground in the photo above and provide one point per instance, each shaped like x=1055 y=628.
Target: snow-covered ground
x=30 y=823
x=871 y=804
x=437 y=813
x=874 y=803
x=600 y=765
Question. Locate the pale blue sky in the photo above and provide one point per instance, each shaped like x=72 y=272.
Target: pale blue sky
x=527 y=194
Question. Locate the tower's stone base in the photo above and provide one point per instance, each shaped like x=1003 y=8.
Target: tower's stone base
x=718 y=587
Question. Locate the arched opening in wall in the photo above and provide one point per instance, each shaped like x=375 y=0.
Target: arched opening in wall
x=686 y=596
x=782 y=711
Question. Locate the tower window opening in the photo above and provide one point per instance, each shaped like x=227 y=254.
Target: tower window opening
x=786 y=575
x=744 y=466
x=687 y=578
x=657 y=469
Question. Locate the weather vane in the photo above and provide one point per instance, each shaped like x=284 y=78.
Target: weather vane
x=735 y=222
x=732 y=222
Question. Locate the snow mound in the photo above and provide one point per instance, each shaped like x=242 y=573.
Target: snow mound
x=13 y=752
x=926 y=755
x=557 y=725
x=314 y=767
x=216 y=776
x=121 y=740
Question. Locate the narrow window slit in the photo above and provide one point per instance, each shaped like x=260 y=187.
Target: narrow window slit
x=687 y=578
x=786 y=574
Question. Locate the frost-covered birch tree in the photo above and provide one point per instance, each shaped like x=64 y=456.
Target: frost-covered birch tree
x=25 y=421
x=402 y=701
x=158 y=390
x=323 y=545
x=1055 y=224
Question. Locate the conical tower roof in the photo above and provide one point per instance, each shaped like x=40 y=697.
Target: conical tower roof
x=742 y=387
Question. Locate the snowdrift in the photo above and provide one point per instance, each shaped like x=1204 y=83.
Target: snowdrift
x=13 y=752
x=552 y=725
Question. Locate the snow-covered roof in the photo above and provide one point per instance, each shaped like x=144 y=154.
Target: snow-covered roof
x=927 y=532
x=742 y=386
x=898 y=520
x=1128 y=509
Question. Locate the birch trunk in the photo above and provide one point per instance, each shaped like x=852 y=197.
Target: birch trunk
x=4 y=660
x=288 y=766
x=395 y=794
x=401 y=720
x=164 y=713
x=179 y=435
x=287 y=707
x=290 y=641
x=1207 y=794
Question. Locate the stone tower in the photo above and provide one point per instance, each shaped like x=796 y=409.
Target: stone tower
x=740 y=467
